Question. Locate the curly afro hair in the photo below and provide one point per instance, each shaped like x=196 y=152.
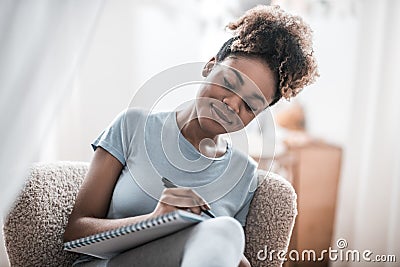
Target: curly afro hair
x=281 y=40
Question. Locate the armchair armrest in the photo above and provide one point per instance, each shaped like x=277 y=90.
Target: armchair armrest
x=270 y=220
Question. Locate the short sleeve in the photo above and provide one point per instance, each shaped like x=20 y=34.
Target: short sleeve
x=112 y=138
x=241 y=215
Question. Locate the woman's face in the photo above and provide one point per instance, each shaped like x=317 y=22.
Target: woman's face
x=235 y=91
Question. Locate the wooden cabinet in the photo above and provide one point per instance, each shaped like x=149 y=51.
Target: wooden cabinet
x=314 y=170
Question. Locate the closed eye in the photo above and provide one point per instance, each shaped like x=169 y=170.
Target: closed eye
x=249 y=108
x=228 y=85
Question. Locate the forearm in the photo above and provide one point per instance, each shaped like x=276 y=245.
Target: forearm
x=85 y=226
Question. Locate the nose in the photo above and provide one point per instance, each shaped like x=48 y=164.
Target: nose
x=233 y=103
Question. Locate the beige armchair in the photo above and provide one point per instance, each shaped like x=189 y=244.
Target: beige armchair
x=35 y=225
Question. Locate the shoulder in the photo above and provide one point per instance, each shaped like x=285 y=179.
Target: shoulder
x=134 y=113
x=247 y=163
x=133 y=119
x=238 y=155
x=143 y=114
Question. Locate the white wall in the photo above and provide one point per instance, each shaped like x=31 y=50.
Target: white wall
x=102 y=88
x=328 y=102
x=134 y=41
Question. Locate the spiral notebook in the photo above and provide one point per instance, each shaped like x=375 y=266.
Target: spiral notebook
x=107 y=244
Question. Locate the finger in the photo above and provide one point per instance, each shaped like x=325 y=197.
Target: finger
x=188 y=192
x=167 y=204
x=178 y=201
x=181 y=202
x=206 y=206
x=195 y=210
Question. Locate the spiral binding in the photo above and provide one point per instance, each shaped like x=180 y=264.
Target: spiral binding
x=124 y=230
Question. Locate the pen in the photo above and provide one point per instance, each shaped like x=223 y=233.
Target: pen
x=169 y=184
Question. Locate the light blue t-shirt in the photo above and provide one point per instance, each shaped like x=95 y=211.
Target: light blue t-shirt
x=151 y=146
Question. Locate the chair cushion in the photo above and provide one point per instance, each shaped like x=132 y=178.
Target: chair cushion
x=35 y=225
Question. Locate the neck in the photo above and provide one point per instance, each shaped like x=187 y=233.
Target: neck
x=207 y=143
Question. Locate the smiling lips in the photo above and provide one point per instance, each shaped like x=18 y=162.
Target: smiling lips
x=220 y=114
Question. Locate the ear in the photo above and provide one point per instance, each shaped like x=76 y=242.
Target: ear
x=208 y=67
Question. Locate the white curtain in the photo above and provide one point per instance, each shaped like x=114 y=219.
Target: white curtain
x=368 y=211
x=42 y=44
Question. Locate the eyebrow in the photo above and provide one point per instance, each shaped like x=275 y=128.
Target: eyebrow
x=255 y=95
x=240 y=78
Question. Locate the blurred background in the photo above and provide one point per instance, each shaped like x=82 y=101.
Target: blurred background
x=67 y=68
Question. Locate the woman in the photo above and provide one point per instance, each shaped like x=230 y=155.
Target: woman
x=269 y=57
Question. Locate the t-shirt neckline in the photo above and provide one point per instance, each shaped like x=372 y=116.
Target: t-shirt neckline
x=192 y=148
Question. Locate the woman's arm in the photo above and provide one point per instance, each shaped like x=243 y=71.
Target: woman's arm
x=95 y=194
x=94 y=197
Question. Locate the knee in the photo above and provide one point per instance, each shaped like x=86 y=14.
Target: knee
x=221 y=239
x=225 y=228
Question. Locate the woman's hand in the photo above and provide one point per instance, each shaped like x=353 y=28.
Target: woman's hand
x=179 y=198
x=244 y=262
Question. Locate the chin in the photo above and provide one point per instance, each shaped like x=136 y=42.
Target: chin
x=216 y=128
x=212 y=126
